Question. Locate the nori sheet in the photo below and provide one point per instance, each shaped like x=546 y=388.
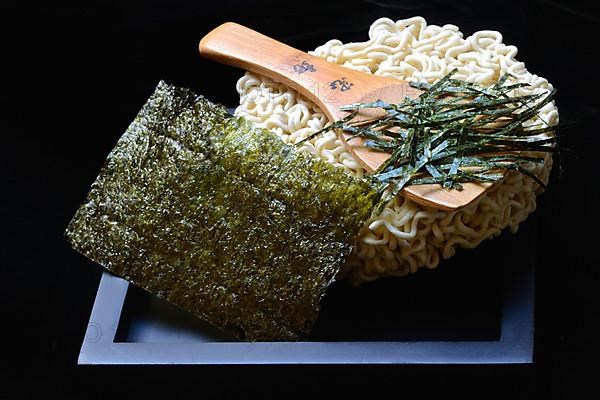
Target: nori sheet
x=221 y=218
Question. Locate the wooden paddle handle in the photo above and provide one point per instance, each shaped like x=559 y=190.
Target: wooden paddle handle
x=241 y=47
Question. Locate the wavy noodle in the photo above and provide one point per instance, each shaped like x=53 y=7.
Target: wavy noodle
x=407 y=236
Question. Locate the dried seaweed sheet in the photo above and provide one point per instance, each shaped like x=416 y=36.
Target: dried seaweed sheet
x=221 y=218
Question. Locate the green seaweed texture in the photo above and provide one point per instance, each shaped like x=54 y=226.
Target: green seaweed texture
x=221 y=218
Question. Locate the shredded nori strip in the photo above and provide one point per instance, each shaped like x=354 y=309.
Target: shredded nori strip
x=453 y=132
x=221 y=218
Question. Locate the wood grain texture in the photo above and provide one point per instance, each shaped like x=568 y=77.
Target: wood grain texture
x=329 y=86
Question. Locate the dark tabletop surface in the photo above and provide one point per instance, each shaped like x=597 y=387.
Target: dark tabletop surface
x=76 y=73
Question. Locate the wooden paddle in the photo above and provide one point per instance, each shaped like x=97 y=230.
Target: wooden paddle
x=329 y=86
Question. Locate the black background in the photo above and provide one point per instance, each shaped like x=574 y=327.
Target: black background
x=75 y=74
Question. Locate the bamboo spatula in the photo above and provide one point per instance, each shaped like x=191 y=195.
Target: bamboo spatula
x=329 y=86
